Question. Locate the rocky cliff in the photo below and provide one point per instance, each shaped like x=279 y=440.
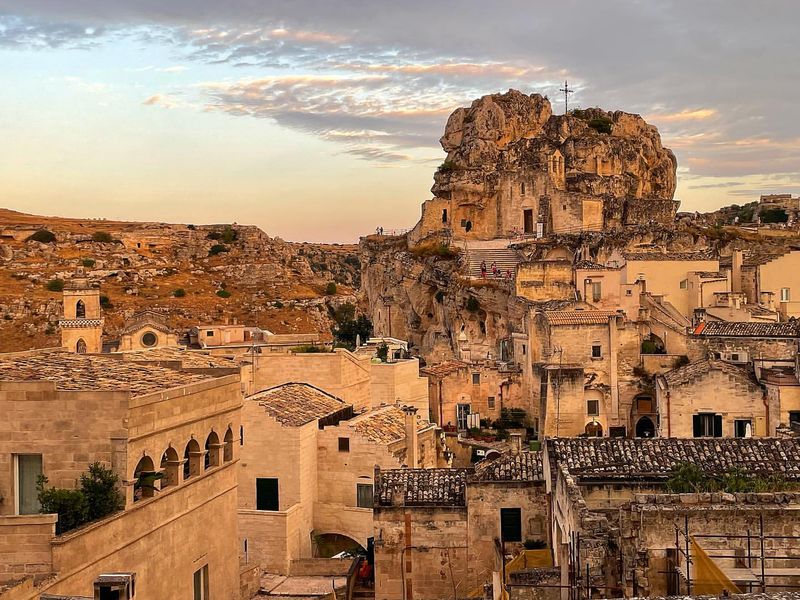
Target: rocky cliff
x=197 y=273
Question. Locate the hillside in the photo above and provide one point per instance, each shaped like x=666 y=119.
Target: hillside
x=273 y=284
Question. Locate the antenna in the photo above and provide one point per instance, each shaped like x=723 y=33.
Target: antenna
x=567 y=92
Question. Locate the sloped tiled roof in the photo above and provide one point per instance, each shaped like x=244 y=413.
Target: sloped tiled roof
x=621 y=458
x=82 y=372
x=746 y=329
x=295 y=404
x=421 y=487
x=384 y=425
x=445 y=368
x=689 y=373
x=579 y=317
x=525 y=466
x=188 y=358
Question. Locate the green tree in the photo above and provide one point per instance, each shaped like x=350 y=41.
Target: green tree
x=330 y=289
x=55 y=285
x=102 y=237
x=99 y=488
x=88 y=262
x=217 y=249
x=69 y=505
x=383 y=352
x=179 y=293
x=346 y=332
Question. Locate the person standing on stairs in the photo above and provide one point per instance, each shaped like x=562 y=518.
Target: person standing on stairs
x=483 y=269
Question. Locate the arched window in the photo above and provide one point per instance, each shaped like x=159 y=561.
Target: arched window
x=80 y=310
x=192 y=457
x=522 y=189
x=645 y=428
x=80 y=347
x=145 y=477
x=212 y=450
x=170 y=463
x=594 y=429
x=227 y=453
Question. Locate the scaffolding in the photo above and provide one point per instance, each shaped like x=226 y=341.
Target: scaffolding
x=748 y=562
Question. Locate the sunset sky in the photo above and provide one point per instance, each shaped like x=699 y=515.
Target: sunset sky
x=320 y=120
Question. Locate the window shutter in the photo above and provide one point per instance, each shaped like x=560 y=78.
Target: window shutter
x=717 y=425
x=697 y=425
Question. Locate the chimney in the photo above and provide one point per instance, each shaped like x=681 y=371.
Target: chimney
x=516 y=443
x=736 y=270
x=411 y=437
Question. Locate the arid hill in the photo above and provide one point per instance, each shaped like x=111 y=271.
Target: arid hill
x=206 y=273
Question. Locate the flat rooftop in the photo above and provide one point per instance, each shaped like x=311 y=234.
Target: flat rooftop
x=90 y=372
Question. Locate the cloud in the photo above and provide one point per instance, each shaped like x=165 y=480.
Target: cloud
x=700 y=114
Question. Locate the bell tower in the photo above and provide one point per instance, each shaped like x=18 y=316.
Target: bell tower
x=81 y=322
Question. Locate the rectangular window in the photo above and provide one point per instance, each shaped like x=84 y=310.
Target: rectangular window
x=629 y=292
x=344 y=444
x=462 y=412
x=364 y=495
x=476 y=378
x=524 y=349
x=707 y=425
x=593 y=408
x=511 y=524
x=267 y=494
x=684 y=284
x=210 y=333
x=201 y=584
x=597 y=289
x=597 y=351
x=29 y=469
x=742 y=428
x=786 y=295
x=491 y=402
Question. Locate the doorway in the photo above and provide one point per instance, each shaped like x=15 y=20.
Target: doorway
x=462 y=412
x=645 y=428
x=527 y=218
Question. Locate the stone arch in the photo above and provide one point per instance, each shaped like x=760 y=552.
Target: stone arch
x=645 y=428
x=594 y=429
x=558 y=253
x=192 y=457
x=145 y=477
x=652 y=344
x=170 y=466
x=328 y=544
x=80 y=347
x=227 y=453
x=80 y=310
x=213 y=447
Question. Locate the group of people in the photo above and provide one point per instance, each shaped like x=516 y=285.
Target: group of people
x=496 y=273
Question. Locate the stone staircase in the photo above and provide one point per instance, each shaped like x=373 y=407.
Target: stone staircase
x=505 y=259
x=363 y=593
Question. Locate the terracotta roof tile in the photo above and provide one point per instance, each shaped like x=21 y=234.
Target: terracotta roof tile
x=746 y=329
x=77 y=372
x=384 y=425
x=660 y=256
x=619 y=458
x=444 y=369
x=690 y=373
x=421 y=487
x=525 y=466
x=188 y=358
x=579 y=317
x=295 y=404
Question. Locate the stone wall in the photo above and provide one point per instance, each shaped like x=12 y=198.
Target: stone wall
x=399 y=383
x=545 y=280
x=25 y=546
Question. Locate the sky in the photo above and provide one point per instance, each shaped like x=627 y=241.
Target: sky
x=320 y=120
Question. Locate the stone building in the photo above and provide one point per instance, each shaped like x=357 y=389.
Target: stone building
x=762 y=344
x=711 y=398
x=82 y=321
x=457 y=389
x=63 y=411
x=441 y=533
x=618 y=531
x=769 y=279
x=147 y=329
x=306 y=476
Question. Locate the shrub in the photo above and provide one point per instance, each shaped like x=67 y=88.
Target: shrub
x=472 y=304
x=773 y=215
x=229 y=234
x=99 y=487
x=346 y=332
x=102 y=236
x=512 y=417
x=681 y=361
x=191 y=227
x=214 y=235
x=474 y=432
x=69 y=505
x=88 y=262
x=601 y=124
x=309 y=349
x=179 y=293
x=105 y=302
x=43 y=235
x=447 y=166
x=55 y=285
x=353 y=261
x=437 y=249
x=382 y=352
x=330 y=289
x=217 y=249
x=223 y=293
x=278 y=304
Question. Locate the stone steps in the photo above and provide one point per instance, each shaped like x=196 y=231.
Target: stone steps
x=504 y=258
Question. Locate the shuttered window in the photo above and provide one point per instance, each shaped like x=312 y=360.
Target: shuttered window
x=707 y=425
